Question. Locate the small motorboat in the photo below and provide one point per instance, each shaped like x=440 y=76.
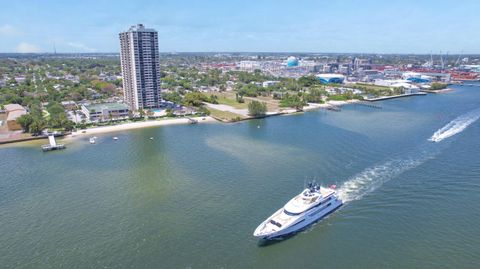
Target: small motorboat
x=115 y=138
x=92 y=140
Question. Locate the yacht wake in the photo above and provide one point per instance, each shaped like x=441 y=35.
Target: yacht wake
x=372 y=178
x=456 y=126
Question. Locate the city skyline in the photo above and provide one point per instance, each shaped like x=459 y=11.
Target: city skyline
x=267 y=26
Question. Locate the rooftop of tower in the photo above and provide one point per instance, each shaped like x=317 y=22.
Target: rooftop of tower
x=140 y=28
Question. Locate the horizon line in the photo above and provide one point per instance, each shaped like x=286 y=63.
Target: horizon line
x=247 y=52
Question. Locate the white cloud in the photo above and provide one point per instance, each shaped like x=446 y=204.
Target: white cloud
x=81 y=47
x=7 y=29
x=25 y=47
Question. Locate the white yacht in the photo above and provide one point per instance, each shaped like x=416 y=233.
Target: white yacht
x=93 y=140
x=311 y=205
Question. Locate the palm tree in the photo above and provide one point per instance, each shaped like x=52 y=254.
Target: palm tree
x=141 y=112
x=75 y=114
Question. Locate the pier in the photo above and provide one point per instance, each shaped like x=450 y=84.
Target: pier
x=334 y=108
x=192 y=121
x=53 y=144
x=368 y=104
x=394 y=96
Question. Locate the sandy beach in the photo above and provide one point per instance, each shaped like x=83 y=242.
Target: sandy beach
x=312 y=106
x=136 y=125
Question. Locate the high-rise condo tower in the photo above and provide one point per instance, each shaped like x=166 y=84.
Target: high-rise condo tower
x=139 y=58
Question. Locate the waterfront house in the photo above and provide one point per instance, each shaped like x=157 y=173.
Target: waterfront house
x=13 y=112
x=105 y=111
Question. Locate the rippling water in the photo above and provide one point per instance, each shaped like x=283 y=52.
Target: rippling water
x=192 y=197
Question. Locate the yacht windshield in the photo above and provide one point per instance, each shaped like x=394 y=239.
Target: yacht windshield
x=290 y=213
x=276 y=223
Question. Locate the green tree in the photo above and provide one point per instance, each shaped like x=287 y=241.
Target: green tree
x=203 y=111
x=239 y=98
x=292 y=100
x=257 y=109
x=213 y=99
x=438 y=86
x=170 y=113
x=25 y=121
x=37 y=126
x=314 y=95
x=68 y=125
x=194 y=99
x=142 y=113
x=307 y=81
x=173 y=97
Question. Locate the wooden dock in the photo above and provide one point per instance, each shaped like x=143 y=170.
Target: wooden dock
x=368 y=104
x=192 y=121
x=333 y=108
x=53 y=144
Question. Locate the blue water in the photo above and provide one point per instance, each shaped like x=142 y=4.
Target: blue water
x=192 y=197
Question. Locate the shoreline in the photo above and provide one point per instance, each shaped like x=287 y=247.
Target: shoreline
x=313 y=106
x=136 y=125
x=177 y=121
x=438 y=91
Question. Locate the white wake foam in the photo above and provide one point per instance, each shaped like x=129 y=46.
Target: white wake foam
x=372 y=178
x=456 y=126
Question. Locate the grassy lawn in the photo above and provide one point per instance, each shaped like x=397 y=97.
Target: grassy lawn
x=339 y=97
x=224 y=115
x=232 y=102
x=272 y=104
x=228 y=98
x=376 y=90
x=374 y=87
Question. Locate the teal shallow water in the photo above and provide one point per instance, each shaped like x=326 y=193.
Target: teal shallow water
x=192 y=197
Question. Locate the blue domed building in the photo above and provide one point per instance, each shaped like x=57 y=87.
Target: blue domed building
x=331 y=78
x=292 y=61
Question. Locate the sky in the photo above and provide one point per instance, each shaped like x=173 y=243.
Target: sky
x=364 y=26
